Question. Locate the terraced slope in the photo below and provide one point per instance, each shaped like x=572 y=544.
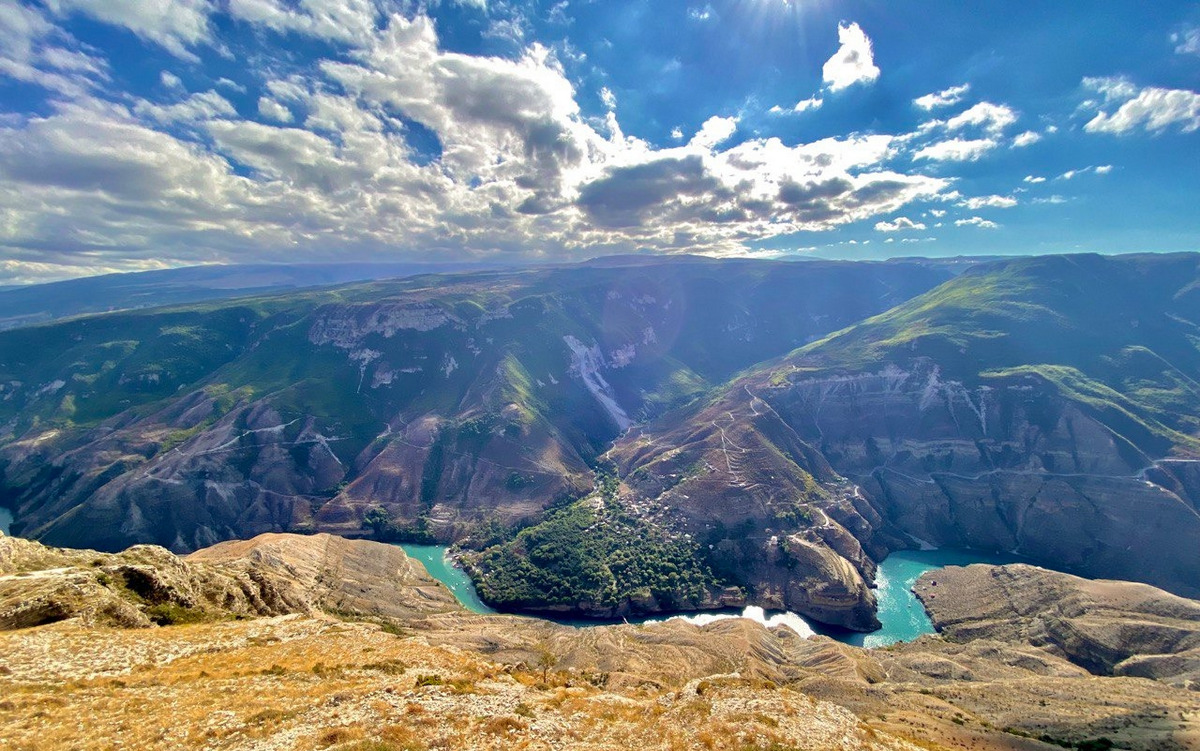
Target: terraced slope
x=1046 y=406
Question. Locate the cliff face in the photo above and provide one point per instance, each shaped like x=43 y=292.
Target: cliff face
x=1106 y=627
x=1012 y=464
x=765 y=505
x=439 y=403
x=1041 y=406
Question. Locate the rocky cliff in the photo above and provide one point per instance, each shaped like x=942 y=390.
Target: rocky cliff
x=1040 y=406
x=440 y=403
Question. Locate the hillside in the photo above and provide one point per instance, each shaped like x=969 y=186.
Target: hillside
x=441 y=407
x=1045 y=406
x=770 y=429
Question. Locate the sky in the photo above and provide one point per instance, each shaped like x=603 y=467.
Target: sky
x=143 y=134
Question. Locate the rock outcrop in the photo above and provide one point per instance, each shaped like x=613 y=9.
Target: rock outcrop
x=269 y=575
x=357 y=577
x=1106 y=627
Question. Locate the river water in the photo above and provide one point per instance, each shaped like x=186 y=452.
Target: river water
x=901 y=613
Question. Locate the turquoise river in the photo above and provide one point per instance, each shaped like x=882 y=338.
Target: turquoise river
x=900 y=612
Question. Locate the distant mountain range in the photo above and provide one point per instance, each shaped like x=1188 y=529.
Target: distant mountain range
x=637 y=434
x=38 y=303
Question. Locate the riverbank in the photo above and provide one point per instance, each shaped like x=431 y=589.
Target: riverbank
x=901 y=613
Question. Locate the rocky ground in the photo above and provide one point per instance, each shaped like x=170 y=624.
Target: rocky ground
x=1107 y=627
x=373 y=655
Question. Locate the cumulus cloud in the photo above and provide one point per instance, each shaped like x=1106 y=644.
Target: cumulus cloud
x=812 y=103
x=957 y=150
x=273 y=110
x=976 y=221
x=854 y=62
x=170 y=80
x=898 y=224
x=992 y=202
x=1151 y=109
x=390 y=144
x=1028 y=138
x=943 y=98
x=177 y=25
x=1034 y=179
x=992 y=118
x=206 y=105
x=348 y=21
x=34 y=51
x=714 y=131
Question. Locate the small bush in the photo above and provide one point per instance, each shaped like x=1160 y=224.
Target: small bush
x=171 y=614
x=388 y=667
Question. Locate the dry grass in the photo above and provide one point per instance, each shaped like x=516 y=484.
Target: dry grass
x=302 y=684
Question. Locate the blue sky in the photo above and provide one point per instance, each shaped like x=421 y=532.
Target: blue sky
x=139 y=134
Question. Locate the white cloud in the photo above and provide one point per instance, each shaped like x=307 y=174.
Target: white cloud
x=1028 y=138
x=898 y=224
x=677 y=133
x=715 y=130
x=993 y=202
x=225 y=83
x=608 y=98
x=812 y=103
x=1187 y=42
x=957 y=150
x=1034 y=179
x=1151 y=109
x=170 y=80
x=273 y=110
x=34 y=51
x=1071 y=174
x=943 y=98
x=1055 y=199
x=854 y=61
x=176 y=25
x=207 y=105
x=992 y=118
x=395 y=146
x=347 y=21
x=976 y=221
